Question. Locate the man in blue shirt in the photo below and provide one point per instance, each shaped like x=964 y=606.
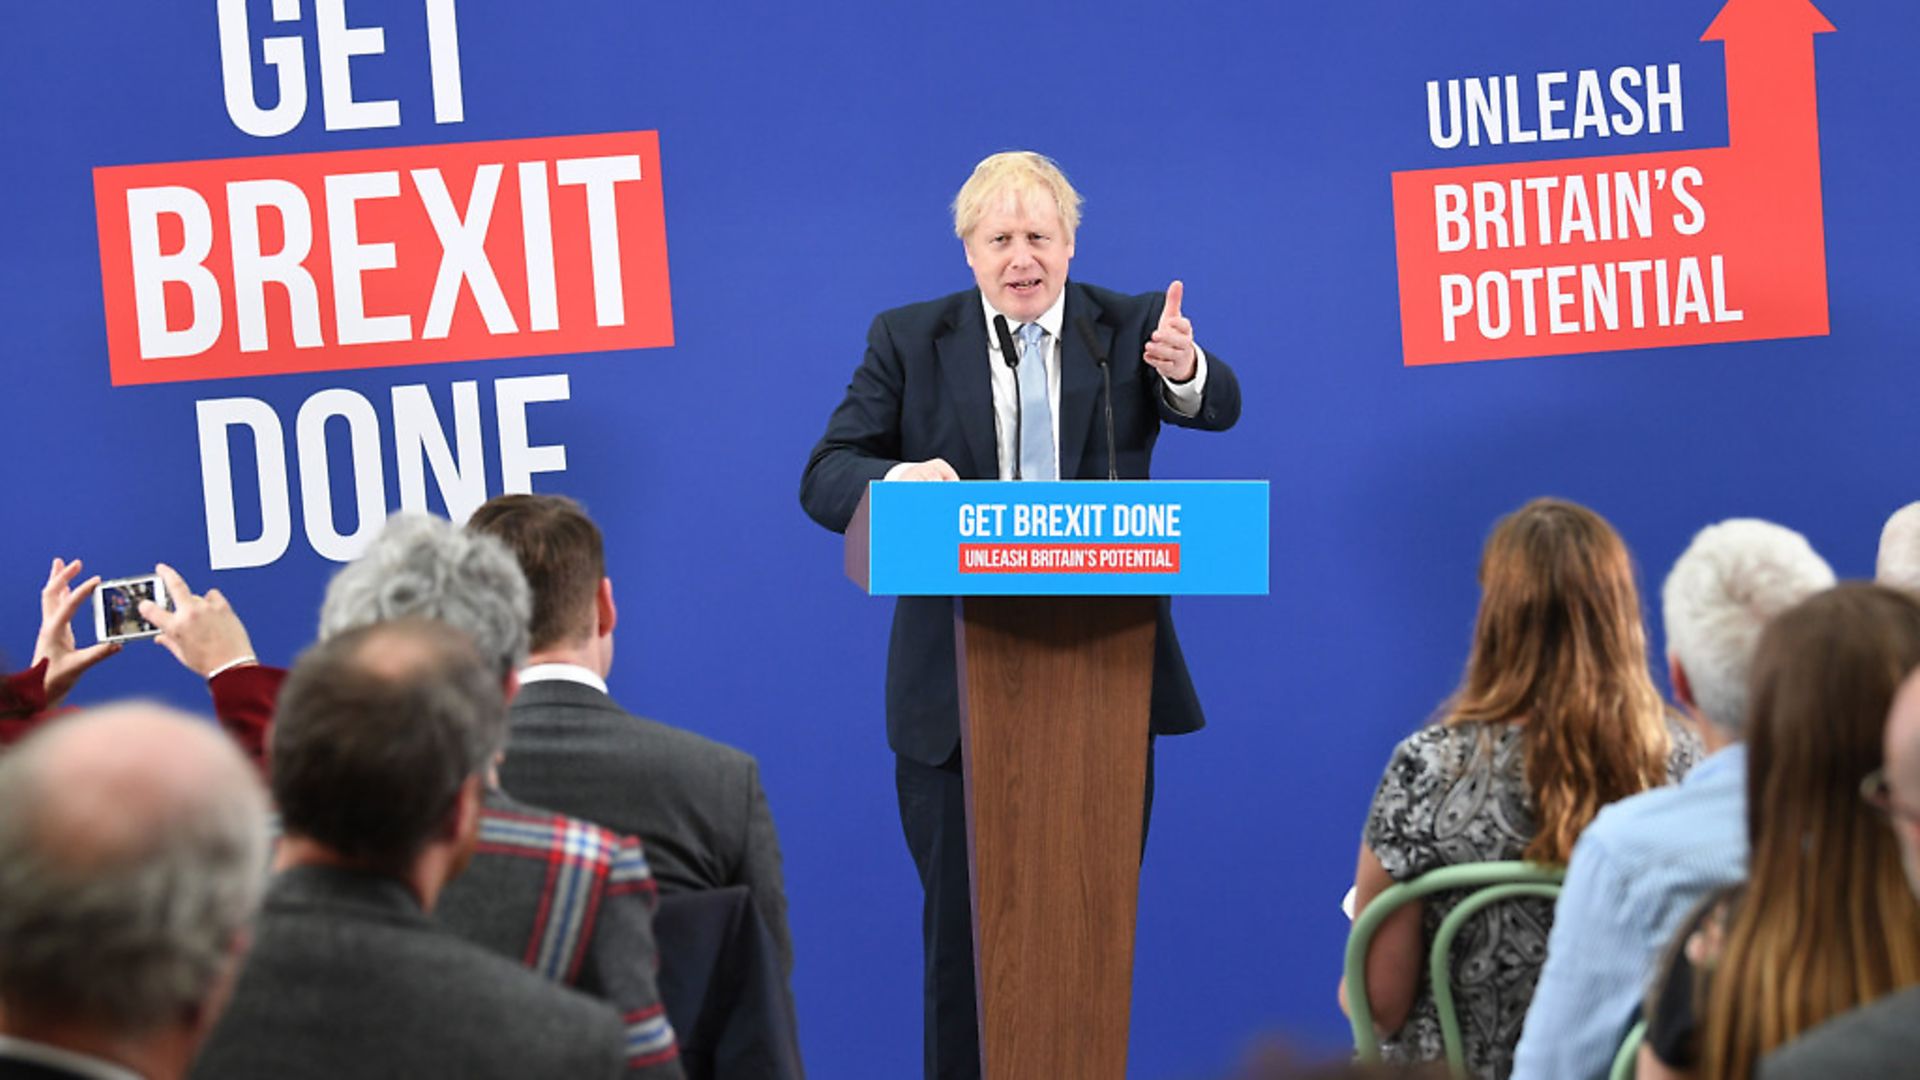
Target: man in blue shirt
x=1645 y=861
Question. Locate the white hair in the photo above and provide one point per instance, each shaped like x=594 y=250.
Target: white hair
x=431 y=568
x=1723 y=590
x=124 y=921
x=1899 y=563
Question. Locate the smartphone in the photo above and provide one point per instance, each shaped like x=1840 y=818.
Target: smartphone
x=116 y=607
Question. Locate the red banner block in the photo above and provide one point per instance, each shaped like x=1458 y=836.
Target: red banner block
x=1069 y=558
x=374 y=258
x=1637 y=250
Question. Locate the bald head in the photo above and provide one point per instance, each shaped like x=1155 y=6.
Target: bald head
x=378 y=729
x=132 y=853
x=156 y=766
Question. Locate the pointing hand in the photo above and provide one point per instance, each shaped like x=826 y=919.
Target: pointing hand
x=1170 y=350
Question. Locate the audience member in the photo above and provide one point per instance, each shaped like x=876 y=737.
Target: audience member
x=696 y=804
x=1881 y=1039
x=1556 y=716
x=1898 y=564
x=590 y=926
x=379 y=753
x=133 y=845
x=1646 y=861
x=1825 y=921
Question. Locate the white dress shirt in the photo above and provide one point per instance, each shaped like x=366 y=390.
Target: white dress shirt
x=1183 y=398
x=574 y=673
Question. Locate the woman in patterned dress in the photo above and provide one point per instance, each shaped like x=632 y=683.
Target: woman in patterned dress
x=1556 y=716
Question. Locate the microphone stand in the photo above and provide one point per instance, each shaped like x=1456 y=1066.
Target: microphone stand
x=1011 y=356
x=1099 y=350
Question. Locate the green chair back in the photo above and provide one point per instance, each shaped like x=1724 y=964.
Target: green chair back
x=1484 y=883
x=1625 y=1059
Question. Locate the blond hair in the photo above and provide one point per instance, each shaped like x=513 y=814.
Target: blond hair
x=1014 y=172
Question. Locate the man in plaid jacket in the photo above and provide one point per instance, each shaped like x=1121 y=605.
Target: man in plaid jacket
x=575 y=903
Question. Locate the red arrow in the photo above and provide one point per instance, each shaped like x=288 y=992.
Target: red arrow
x=1773 y=131
x=1770 y=88
x=1752 y=267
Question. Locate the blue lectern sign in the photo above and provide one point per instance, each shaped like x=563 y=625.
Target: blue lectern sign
x=1072 y=537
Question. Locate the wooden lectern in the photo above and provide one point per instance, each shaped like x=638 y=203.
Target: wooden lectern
x=1054 y=691
x=1053 y=730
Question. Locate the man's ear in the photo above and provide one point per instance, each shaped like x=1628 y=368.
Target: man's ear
x=603 y=607
x=1682 y=686
x=463 y=819
x=511 y=686
x=200 y=1017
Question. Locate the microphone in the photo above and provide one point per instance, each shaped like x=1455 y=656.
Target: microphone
x=1011 y=356
x=1099 y=351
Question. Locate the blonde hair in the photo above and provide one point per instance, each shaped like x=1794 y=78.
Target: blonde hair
x=1014 y=172
x=1558 y=644
x=1827 y=922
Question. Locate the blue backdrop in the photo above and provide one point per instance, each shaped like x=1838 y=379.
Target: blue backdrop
x=807 y=157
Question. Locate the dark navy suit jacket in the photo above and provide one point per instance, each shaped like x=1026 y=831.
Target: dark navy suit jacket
x=925 y=391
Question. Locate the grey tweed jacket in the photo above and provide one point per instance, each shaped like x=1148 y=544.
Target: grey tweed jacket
x=695 y=804
x=1881 y=1038
x=348 y=977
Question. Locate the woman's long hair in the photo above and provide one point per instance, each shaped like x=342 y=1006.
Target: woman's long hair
x=1559 y=644
x=1827 y=922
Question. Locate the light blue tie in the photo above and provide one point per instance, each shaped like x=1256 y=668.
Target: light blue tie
x=1036 y=423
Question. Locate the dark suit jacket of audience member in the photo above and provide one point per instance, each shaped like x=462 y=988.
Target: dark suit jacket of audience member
x=723 y=988
x=696 y=804
x=575 y=903
x=348 y=977
x=1881 y=1038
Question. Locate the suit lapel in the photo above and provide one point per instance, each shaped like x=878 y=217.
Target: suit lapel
x=961 y=347
x=1079 y=381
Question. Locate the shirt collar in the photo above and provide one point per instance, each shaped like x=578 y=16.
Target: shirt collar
x=1050 y=320
x=573 y=673
x=1733 y=756
x=79 y=1064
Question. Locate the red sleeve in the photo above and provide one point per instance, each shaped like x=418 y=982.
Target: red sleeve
x=23 y=701
x=243 y=699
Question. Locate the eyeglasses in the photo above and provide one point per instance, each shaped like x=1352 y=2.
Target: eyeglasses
x=1878 y=794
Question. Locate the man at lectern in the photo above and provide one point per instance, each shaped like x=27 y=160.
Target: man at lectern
x=935 y=399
